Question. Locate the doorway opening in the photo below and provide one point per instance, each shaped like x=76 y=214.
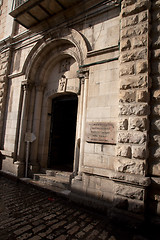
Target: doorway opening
x=62 y=132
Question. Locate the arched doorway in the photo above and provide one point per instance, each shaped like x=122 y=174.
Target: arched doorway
x=62 y=132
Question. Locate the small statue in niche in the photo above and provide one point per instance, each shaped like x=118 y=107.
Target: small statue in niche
x=62 y=83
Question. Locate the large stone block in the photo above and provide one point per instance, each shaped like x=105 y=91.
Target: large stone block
x=155 y=124
x=136 y=7
x=139 y=124
x=135 y=109
x=136 y=54
x=130 y=166
x=127 y=3
x=127 y=96
x=155 y=169
x=127 y=69
x=134 y=82
x=125 y=44
x=142 y=96
x=142 y=66
x=124 y=151
x=139 y=152
x=134 y=31
x=130 y=137
x=156 y=110
x=129 y=191
x=140 y=41
x=155 y=139
x=138 y=138
x=156 y=95
x=136 y=206
x=123 y=124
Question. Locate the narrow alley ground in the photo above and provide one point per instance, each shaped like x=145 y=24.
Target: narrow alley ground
x=29 y=213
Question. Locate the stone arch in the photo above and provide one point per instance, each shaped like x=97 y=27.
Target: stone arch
x=69 y=42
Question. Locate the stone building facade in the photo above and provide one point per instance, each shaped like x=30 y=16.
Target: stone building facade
x=80 y=92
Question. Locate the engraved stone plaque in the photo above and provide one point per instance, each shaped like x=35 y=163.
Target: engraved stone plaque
x=101 y=132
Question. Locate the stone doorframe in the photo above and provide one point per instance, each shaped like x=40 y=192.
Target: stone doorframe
x=45 y=52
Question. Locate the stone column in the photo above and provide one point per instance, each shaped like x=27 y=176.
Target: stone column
x=23 y=121
x=36 y=127
x=83 y=123
x=79 y=124
x=132 y=149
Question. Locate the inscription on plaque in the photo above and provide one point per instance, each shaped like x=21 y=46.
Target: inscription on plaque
x=101 y=132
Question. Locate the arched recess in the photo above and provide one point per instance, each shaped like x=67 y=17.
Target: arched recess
x=50 y=43
x=51 y=71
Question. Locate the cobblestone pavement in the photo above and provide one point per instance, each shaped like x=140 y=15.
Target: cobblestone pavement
x=29 y=213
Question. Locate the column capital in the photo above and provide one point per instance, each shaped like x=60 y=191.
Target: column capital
x=26 y=86
x=83 y=74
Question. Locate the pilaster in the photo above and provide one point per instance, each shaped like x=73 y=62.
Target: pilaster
x=132 y=145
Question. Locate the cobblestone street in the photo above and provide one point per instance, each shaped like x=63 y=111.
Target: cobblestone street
x=29 y=213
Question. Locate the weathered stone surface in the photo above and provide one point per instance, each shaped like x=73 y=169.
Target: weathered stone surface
x=129 y=191
x=155 y=124
x=123 y=124
x=130 y=166
x=130 y=178
x=155 y=152
x=127 y=69
x=120 y=202
x=124 y=151
x=138 y=138
x=129 y=21
x=155 y=169
x=142 y=96
x=135 y=109
x=136 y=31
x=134 y=82
x=156 y=53
x=156 y=4
x=156 y=110
x=139 y=124
x=134 y=8
x=127 y=3
x=135 y=206
x=156 y=139
x=141 y=66
x=156 y=95
x=134 y=55
x=127 y=96
x=129 y=137
x=139 y=152
x=140 y=41
x=143 y=16
x=125 y=44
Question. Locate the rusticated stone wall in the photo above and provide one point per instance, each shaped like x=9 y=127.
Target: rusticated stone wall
x=4 y=67
x=132 y=147
x=134 y=83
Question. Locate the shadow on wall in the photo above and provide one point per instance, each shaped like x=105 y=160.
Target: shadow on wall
x=1 y=158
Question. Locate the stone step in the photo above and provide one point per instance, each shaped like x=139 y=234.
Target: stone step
x=62 y=174
x=57 y=181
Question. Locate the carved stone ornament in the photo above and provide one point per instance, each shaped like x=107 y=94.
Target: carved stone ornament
x=62 y=84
